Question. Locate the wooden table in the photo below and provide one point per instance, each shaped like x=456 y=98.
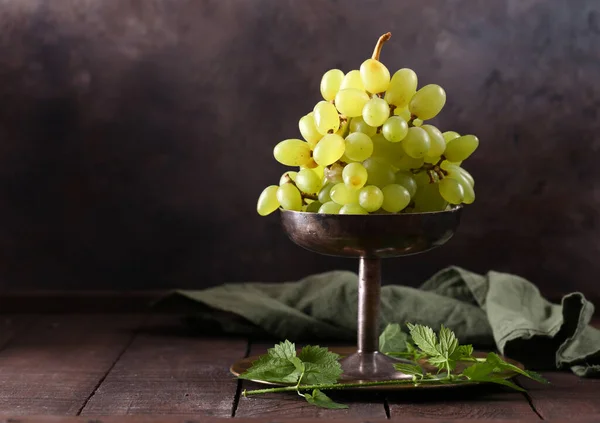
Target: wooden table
x=87 y=360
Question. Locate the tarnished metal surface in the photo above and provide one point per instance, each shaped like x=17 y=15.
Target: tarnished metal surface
x=371 y=238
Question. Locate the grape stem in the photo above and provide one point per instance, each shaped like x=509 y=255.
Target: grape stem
x=303 y=194
x=379 y=45
x=430 y=169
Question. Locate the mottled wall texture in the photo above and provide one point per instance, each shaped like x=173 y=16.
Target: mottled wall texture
x=136 y=135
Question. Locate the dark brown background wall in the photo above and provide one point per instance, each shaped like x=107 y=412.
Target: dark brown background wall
x=135 y=136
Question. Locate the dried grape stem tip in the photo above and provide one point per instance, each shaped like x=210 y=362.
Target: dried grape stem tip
x=379 y=45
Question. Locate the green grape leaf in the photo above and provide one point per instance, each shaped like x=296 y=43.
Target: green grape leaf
x=321 y=365
x=425 y=338
x=489 y=372
x=272 y=369
x=393 y=340
x=280 y=364
x=462 y=352
x=410 y=369
x=448 y=342
x=285 y=350
x=495 y=359
x=319 y=399
x=442 y=362
x=298 y=364
x=414 y=352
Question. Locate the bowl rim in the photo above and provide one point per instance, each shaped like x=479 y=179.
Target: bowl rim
x=454 y=209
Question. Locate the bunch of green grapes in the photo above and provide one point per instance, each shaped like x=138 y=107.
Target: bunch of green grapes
x=367 y=149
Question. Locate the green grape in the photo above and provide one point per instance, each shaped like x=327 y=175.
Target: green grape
x=352 y=80
x=386 y=151
x=375 y=76
x=427 y=102
x=358 y=124
x=451 y=190
x=330 y=83
x=449 y=166
x=450 y=135
x=461 y=148
x=330 y=208
x=464 y=179
x=341 y=194
x=359 y=146
x=345 y=160
x=323 y=195
x=352 y=209
x=394 y=129
x=309 y=130
x=329 y=149
x=354 y=175
x=267 y=201
x=407 y=163
x=469 y=197
x=289 y=197
x=431 y=160
x=379 y=172
x=292 y=152
x=407 y=180
x=422 y=179
x=417 y=122
x=416 y=143
x=308 y=181
x=311 y=164
x=327 y=120
x=403 y=112
x=469 y=192
x=394 y=154
x=370 y=198
x=395 y=198
x=313 y=207
x=288 y=176
x=428 y=198
x=438 y=144
x=467 y=176
x=343 y=130
x=403 y=86
x=319 y=170
x=350 y=101
x=376 y=112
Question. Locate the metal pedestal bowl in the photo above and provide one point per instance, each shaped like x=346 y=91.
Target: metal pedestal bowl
x=370 y=238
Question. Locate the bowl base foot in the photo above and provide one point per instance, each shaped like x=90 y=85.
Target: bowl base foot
x=374 y=366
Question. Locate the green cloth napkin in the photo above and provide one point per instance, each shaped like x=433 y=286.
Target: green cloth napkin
x=497 y=310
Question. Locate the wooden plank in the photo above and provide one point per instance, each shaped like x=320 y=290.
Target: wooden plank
x=167 y=371
x=187 y=419
x=281 y=419
x=567 y=396
x=361 y=404
x=53 y=367
x=468 y=402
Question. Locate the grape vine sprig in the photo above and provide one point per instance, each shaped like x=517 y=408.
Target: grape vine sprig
x=316 y=369
x=367 y=149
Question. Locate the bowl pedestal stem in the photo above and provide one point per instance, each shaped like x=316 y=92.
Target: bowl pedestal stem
x=368 y=363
